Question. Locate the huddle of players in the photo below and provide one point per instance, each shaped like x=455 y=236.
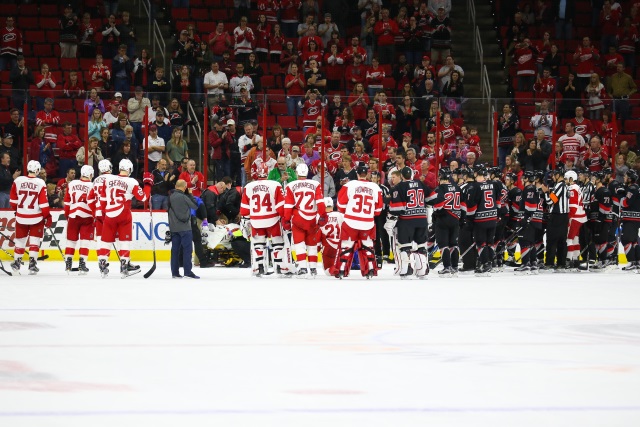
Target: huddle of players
x=101 y=206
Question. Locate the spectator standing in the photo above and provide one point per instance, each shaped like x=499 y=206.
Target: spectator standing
x=609 y=23
x=95 y=155
x=524 y=55
x=176 y=148
x=294 y=83
x=21 y=78
x=128 y=34
x=49 y=118
x=87 y=42
x=159 y=86
x=10 y=45
x=453 y=90
x=215 y=82
x=180 y=206
x=13 y=151
x=587 y=58
x=543 y=120
x=93 y=102
x=163 y=182
x=110 y=37
x=570 y=96
x=122 y=69
x=545 y=86
x=144 y=68
x=15 y=127
x=240 y=80
x=440 y=36
x=508 y=126
x=385 y=31
x=553 y=61
x=595 y=92
x=156 y=147
x=68 y=145
x=326 y=29
x=564 y=12
x=194 y=179
x=100 y=75
x=6 y=179
x=184 y=52
x=219 y=42
x=44 y=86
x=244 y=40
x=621 y=88
x=136 y=107
x=444 y=74
x=627 y=37
x=69 y=28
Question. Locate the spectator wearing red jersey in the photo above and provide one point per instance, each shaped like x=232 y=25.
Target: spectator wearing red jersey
x=358 y=101
x=374 y=77
x=194 y=179
x=68 y=145
x=609 y=22
x=276 y=44
x=49 y=118
x=304 y=44
x=10 y=44
x=289 y=17
x=345 y=124
x=334 y=67
x=627 y=37
x=219 y=42
x=440 y=36
x=289 y=56
x=387 y=110
x=244 y=40
x=545 y=85
x=311 y=54
x=386 y=30
x=100 y=75
x=270 y=9
x=355 y=73
x=353 y=50
x=294 y=84
x=610 y=62
x=320 y=130
x=311 y=108
x=73 y=88
x=263 y=29
x=595 y=158
x=386 y=141
x=544 y=48
x=524 y=55
x=587 y=58
x=583 y=126
x=87 y=42
x=414 y=41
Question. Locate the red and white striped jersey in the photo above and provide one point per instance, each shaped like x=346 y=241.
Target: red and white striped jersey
x=77 y=202
x=572 y=145
x=360 y=201
x=330 y=232
x=576 y=207
x=303 y=199
x=116 y=195
x=263 y=203
x=28 y=199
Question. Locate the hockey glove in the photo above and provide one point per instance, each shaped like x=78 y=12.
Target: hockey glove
x=322 y=221
x=147 y=178
x=48 y=220
x=286 y=225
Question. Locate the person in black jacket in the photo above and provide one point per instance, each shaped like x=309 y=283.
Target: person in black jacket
x=210 y=198
x=229 y=201
x=21 y=78
x=163 y=182
x=532 y=158
x=6 y=180
x=122 y=69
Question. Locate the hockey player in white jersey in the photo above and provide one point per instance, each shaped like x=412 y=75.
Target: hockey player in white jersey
x=330 y=237
x=79 y=212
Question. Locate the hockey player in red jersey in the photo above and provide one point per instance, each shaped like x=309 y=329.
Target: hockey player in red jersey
x=360 y=201
x=115 y=200
x=577 y=217
x=303 y=205
x=28 y=200
x=330 y=237
x=105 y=168
x=263 y=206
x=79 y=213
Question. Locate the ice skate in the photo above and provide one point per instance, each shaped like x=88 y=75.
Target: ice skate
x=445 y=273
x=260 y=271
x=302 y=272
x=102 y=265
x=127 y=269
x=632 y=266
x=454 y=271
x=33 y=267
x=314 y=272
x=522 y=270
x=408 y=274
x=15 y=266
x=82 y=267
x=67 y=264
x=534 y=269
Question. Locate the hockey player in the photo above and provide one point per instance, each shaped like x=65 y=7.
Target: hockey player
x=28 y=200
x=466 y=227
x=395 y=178
x=447 y=211
x=263 y=206
x=577 y=217
x=303 y=203
x=630 y=220
x=617 y=191
x=530 y=221
x=115 y=199
x=79 y=212
x=360 y=201
x=586 y=233
x=503 y=218
x=600 y=220
x=408 y=203
x=514 y=204
x=105 y=168
x=330 y=237
x=482 y=210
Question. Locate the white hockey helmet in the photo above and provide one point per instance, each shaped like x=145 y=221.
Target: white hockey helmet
x=126 y=165
x=262 y=170
x=302 y=170
x=328 y=202
x=86 y=171
x=571 y=175
x=105 y=166
x=33 y=167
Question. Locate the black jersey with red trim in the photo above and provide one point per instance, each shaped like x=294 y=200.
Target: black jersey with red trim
x=446 y=199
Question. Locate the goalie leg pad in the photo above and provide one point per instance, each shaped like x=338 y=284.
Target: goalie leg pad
x=345 y=258
x=421 y=261
x=367 y=257
x=404 y=260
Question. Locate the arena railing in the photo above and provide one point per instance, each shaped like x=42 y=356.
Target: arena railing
x=146 y=4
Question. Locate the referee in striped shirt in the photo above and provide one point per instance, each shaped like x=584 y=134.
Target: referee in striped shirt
x=557 y=200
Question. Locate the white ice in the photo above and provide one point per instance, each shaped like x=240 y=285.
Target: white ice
x=229 y=350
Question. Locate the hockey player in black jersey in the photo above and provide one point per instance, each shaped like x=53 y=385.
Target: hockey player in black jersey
x=470 y=257
x=600 y=220
x=540 y=234
x=503 y=218
x=482 y=211
x=408 y=203
x=531 y=220
x=514 y=203
x=630 y=221
x=447 y=211
x=586 y=231
x=617 y=191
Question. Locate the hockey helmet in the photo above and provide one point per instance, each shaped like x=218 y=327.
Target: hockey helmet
x=513 y=177
x=126 y=165
x=302 y=170
x=105 y=166
x=571 y=175
x=480 y=170
x=607 y=171
x=598 y=175
x=328 y=202
x=632 y=174
x=407 y=173
x=539 y=175
x=86 y=171
x=444 y=174
x=495 y=171
x=34 y=167
x=262 y=170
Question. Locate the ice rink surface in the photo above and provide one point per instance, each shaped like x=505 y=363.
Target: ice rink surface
x=229 y=350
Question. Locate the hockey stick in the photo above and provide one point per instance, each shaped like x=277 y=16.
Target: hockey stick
x=40 y=258
x=55 y=239
x=473 y=245
x=153 y=242
x=118 y=253
x=2 y=268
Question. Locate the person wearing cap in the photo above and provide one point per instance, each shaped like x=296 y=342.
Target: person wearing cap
x=156 y=147
x=136 y=107
x=184 y=51
x=21 y=79
x=159 y=86
x=122 y=69
x=9 y=147
x=282 y=173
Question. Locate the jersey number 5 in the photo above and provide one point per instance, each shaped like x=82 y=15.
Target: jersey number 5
x=488 y=199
